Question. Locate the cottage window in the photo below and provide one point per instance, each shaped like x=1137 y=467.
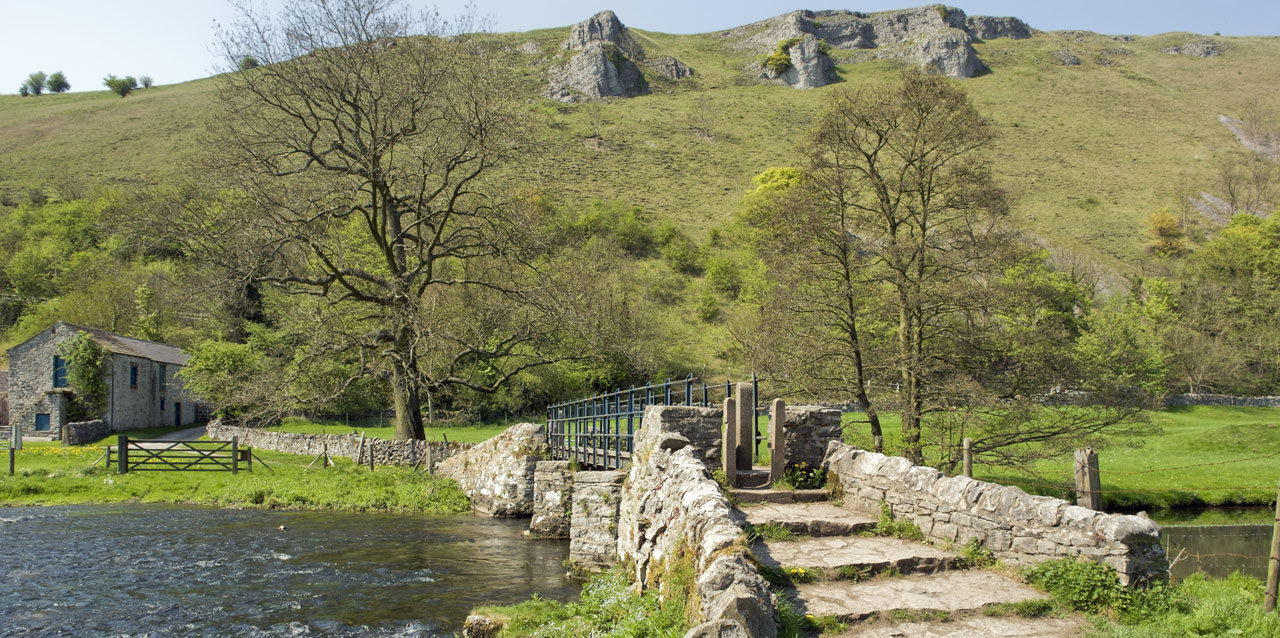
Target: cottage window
x=162 y=404
x=42 y=422
x=133 y=375
x=59 y=372
x=163 y=374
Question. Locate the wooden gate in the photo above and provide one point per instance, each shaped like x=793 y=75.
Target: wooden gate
x=139 y=455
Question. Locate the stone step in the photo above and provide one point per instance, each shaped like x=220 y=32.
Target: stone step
x=864 y=556
x=973 y=627
x=753 y=478
x=952 y=592
x=771 y=495
x=809 y=519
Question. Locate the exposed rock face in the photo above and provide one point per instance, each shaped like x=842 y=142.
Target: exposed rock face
x=1201 y=49
x=607 y=62
x=1065 y=56
x=990 y=28
x=498 y=474
x=934 y=37
x=1016 y=526
x=810 y=67
x=671 y=511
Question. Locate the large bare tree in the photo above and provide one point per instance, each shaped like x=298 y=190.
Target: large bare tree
x=369 y=145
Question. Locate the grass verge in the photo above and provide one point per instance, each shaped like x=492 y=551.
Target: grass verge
x=50 y=474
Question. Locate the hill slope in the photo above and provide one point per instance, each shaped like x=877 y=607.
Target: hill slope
x=1088 y=150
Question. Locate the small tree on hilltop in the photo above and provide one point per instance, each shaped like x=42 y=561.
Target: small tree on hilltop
x=57 y=83
x=24 y=91
x=248 y=62
x=119 y=86
x=146 y=81
x=36 y=82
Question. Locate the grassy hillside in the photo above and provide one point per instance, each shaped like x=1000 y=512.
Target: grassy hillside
x=1089 y=150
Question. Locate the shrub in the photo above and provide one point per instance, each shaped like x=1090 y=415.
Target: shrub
x=248 y=62
x=683 y=256
x=58 y=83
x=708 y=308
x=1080 y=584
x=724 y=275
x=119 y=86
x=973 y=554
x=780 y=60
x=36 y=82
x=803 y=476
x=146 y=81
x=888 y=525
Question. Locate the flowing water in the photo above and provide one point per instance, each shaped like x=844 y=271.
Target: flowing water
x=1217 y=541
x=155 y=570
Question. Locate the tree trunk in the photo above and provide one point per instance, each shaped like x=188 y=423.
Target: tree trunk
x=909 y=393
x=404 y=391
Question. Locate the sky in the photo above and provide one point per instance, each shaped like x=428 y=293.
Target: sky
x=172 y=40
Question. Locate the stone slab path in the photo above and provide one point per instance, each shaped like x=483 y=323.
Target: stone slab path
x=770 y=495
x=868 y=555
x=810 y=519
x=951 y=591
x=976 y=627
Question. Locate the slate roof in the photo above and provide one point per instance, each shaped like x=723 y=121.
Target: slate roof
x=158 y=352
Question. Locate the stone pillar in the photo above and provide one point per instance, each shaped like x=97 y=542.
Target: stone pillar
x=777 y=444
x=552 y=496
x=745 y=416
x=729 y=456
x=593 y=531
x=806 y=432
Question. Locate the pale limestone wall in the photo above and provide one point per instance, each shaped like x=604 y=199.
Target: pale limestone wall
x=806 y=432
x=498 y=474
x=552 y=499
x=593 y=529
x=1017 y=527
x=343 y=445
x=671 y=509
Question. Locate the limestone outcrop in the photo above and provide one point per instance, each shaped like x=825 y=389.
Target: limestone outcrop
x=498 y=474
x=1065 y=57
x=607 y=63
x=1201 y=49
x=672 y=511
x=809 y=67
x=936 y=37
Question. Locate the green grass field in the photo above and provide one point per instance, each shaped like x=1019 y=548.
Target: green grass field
x=50 y=474
x=474 y=433
x=1207 y=456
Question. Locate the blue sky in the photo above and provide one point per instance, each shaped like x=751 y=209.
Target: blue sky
x=171 y=40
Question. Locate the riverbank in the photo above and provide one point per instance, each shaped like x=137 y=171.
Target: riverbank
x=51 y=474
x=1211 y=456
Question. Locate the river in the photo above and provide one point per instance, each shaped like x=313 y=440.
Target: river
x=1217 y=541
x=163 y=570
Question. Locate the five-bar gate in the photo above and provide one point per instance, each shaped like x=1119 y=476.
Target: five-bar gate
x=136 y=455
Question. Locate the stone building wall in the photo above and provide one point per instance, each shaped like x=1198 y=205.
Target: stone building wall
x=498 y=474
x=343 y=445
x=552 y=499
x=1017 y=527
x=593 y=529
x=31 y=390
x=671 y=510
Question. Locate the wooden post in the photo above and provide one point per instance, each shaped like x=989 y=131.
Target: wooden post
x=729 y=453
x=430 y=464
x=360 y=451
x=746 y=421
x=235 y=455
x=122 y=454
x=1273 y=569
x=11 y=460
x=777 y=441
x=1088 y=483
x=248 y=458
x=968 y=457
x=370 y=455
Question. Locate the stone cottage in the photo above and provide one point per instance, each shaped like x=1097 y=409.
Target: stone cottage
x=4 y=398
x=143 y=389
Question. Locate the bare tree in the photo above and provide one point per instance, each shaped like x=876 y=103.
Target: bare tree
x=367 y=145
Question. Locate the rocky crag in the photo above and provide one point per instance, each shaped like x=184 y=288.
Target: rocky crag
x=935 y=38
x=608 y=62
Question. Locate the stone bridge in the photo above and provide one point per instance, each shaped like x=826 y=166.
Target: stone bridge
x=665 y=510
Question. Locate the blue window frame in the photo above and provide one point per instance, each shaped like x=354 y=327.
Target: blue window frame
x=59 y=372
x=161 y=383
x=42 y=423
x=133 y=376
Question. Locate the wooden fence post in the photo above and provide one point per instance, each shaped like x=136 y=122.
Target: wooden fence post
x=746 y=420
x=968 y=457
x=729 y=453
x=370 y=455
x=122 y=454
x=235 y=455
x=248 y=458
x=1088 y=483
x=1273 y=568
x=777 y=442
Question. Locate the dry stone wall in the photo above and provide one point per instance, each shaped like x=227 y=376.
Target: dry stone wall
x=552 y=499
x=346 y=445
x=84 y=432
x=1016 y=526
x=806 y=432
x=498 y=474
x=671 y=510
x=593 y=532
x=1183 y=400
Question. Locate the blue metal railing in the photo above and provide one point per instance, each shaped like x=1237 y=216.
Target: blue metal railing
x=599 y=431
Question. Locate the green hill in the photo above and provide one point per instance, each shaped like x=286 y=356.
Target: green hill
x=1088 y=150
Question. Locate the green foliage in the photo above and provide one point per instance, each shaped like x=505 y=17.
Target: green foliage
x=725 y=275
x=35 y=83
x=888 y=525
x=1034 y=608
x=146 y=81
x=780 y=60
x=23 y=90
x=86 y=370
x=802 y=476
x=769 y=532
x=682 y=255
x=58 y=83
x=707 y=307
x=854 y=573
x=119 y=86
x=608 y=607
x=1121 y=348
x=217 y=373
x=974 y=555
x=1082 y=585
x=248 y=62
x=622 y=222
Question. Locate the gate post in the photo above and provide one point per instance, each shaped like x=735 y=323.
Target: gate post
x=968 y=457
x=235 y=455
x=777 y=442
x=1088 y=483
x=729 y=453
x=122 y=449
x=746 y=422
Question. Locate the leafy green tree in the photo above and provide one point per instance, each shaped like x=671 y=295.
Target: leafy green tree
x=58 y=83
x=248 y=62
x=36 y=83
x=146 y=81
x=86 y=368
x=23 y=90
x=119 y=86
x=230 y=376
x=132 y=82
